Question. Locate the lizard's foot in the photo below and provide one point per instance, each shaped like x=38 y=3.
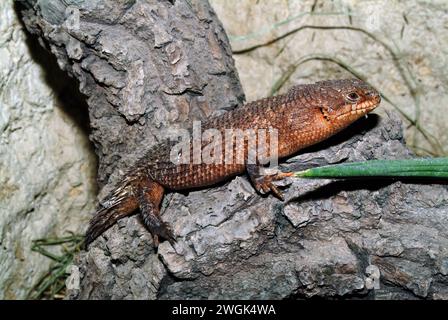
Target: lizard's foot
x=158 y=228
x=164 y=231
x=150 y=195
x=263 y=184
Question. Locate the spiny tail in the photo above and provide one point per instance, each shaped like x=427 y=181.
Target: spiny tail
x=119 y=204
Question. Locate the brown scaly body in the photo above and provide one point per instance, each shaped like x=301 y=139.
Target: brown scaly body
x=306 y=115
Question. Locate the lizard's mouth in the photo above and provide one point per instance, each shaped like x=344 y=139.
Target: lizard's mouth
x=360 y=108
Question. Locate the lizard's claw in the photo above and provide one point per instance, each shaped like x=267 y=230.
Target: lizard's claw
x=169 y=235
x=162 y=230
x=263 y=184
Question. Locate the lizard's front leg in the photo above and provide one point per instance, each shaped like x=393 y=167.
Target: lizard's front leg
x=263 y=183
x=150 y=195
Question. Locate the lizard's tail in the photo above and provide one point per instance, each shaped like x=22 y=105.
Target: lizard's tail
x=119 y=204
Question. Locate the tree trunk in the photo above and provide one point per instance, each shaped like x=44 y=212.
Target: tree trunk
x=150 y=66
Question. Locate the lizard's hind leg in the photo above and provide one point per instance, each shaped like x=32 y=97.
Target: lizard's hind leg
x=150 y=196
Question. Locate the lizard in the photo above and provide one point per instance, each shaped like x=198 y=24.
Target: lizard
x=305 y=115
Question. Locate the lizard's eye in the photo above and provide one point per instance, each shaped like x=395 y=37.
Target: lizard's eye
x=353 y=97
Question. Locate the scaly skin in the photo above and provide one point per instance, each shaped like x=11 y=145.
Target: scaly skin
x=304 y=116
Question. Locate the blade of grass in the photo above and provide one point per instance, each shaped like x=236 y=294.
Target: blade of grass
x=421 y=167
x=52 y=283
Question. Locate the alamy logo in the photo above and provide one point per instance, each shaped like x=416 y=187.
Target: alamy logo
x=228 y=146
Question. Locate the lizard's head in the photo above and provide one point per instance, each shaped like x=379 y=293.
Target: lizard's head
x=342 y=102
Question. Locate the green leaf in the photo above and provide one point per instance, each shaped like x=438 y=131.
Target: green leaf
x=420 y=167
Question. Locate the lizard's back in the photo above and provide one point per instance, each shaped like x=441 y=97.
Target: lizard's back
x=285 y=113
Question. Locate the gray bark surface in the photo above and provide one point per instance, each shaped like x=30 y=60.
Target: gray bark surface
x=146 y=67
x=149 y=65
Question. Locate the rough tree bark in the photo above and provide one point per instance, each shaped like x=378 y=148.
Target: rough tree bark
x=147 y=66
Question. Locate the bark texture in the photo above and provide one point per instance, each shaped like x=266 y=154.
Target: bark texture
x=147 y=66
